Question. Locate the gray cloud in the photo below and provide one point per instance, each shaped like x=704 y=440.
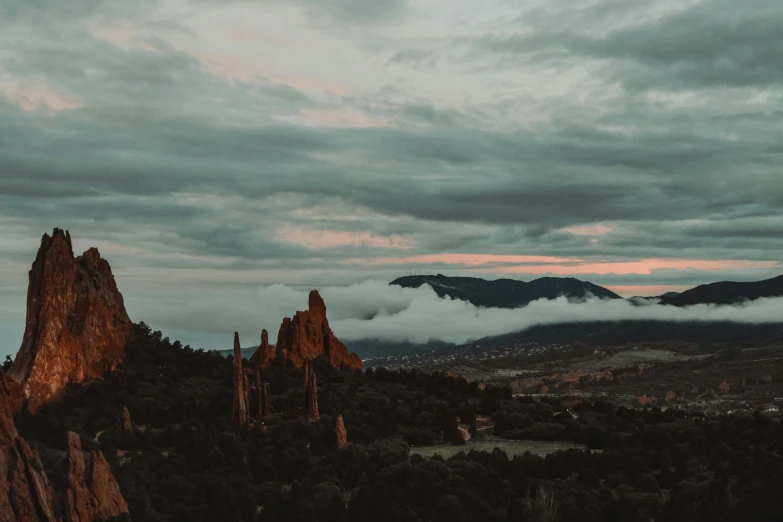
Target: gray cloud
x=168 y=132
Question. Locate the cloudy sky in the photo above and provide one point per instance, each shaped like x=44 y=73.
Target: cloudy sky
x=211 y=148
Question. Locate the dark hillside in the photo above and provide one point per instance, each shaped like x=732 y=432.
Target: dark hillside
x=727 y=292
x=184 y=459
x=506 y=293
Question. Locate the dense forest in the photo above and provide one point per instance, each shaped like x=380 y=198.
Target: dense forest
x=185 y=460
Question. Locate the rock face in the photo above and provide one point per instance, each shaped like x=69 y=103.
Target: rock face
x=308 y=336
x=266 y=352
x=76 y=327
x=91 y=495
x=341 y=433
x=25 y=493
x=311 y=393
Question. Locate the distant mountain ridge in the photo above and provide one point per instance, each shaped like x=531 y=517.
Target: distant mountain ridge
x=505 y=293
x=726 y=292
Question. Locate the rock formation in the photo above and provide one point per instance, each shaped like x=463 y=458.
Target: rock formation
x=341 y=433
x=25 y=493
x=645 y=401
x=311 y=393
x=125 y=421
x=240 y=393
x=252 y=398
x=308 y=336
x=266 y=352
x=91 y=495
x=76 y=327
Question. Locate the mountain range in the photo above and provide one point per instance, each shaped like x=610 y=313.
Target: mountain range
x=510 y=293
x=506 y=293
x=726 y=292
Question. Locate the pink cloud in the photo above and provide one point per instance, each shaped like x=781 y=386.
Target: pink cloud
x=643 y=267
x=118 y=36
x=340 y=119
x=536 y=265
x=317 y=239
x=470 y=260
x=589 y=230
x=38 y=98
x=309 y=84
x=645 y=290
x=228 y=66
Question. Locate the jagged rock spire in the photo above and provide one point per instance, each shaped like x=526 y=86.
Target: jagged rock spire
x=240 y=394
x=76 y=327
x=266 y=352
x=341 y=433
x=308 y=336
x=125 y=421
x=252 y=398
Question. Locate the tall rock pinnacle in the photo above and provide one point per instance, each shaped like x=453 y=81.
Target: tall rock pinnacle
x=76 y=327
x=341 y=434
x=266 y=352
x=308 y=336
x=240 y=393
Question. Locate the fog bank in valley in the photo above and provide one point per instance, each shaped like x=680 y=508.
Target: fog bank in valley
x=374 y=309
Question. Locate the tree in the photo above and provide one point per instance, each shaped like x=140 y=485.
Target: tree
x=7 y=363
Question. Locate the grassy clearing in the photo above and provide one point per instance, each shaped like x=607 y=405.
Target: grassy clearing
x=511 y=447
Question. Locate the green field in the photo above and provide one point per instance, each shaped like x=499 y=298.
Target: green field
x=511 y=447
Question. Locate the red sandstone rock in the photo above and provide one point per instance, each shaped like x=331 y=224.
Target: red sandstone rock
x=342 y=434
x=266 y=352
x=125 y=421
x=311 y=393
x=252 y=398
x=308 y=336
x=25 y=492
x=96 y=498
x=76 y=327
x=644 y=400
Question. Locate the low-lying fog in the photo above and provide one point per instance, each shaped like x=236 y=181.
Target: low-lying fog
x=374 y=309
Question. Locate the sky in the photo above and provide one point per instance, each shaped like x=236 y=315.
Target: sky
x=211 y=149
